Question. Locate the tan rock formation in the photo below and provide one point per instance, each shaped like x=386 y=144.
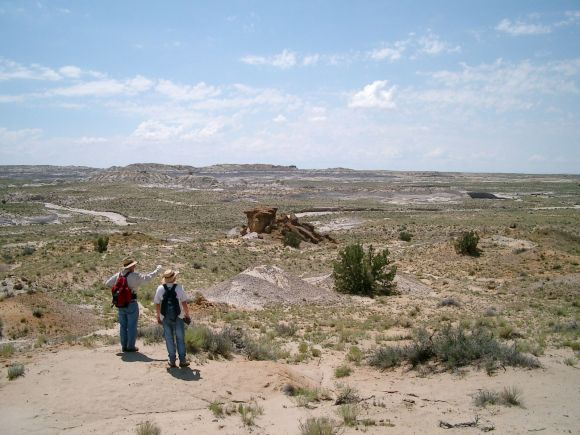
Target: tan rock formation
x=263 y=220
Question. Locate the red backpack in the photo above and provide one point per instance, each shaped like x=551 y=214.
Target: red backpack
x=122 y=294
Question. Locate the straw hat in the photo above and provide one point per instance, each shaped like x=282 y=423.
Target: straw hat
x=128 y=263
x=169 y=276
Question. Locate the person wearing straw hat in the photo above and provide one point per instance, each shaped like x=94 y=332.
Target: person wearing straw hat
x=173 y=313
x=129 y=315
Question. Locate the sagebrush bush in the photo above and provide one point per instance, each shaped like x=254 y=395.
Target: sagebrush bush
x=151 y=333
x=363 y=273
x=342 y=371
x=101 y=243
x=454 y=347
x=14 y=371
x=201 y=338
x=261 y=350
x=467 y=244
x=349 y=413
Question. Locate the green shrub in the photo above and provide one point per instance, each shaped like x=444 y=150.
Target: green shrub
x=15 y=370
x=354 y=354
x=454 y=347
x=261 y=350
x=363 y=273
x=291 y=239
x=147 y=428
x=101 y=243
x=342 y=371
x=405 y=236
x=319 y=426
x=201 y=338
x=511 y=396
x=386 y=357
x=467 y=244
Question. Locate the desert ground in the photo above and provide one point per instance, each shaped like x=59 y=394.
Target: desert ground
x=274 y=348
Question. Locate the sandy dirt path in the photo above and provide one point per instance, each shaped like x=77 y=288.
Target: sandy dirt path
x=99 y=391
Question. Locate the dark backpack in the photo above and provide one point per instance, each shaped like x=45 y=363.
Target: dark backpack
x=122 y=293
x=170 y=304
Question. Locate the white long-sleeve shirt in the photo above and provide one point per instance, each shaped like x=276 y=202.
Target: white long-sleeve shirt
x=134 y=279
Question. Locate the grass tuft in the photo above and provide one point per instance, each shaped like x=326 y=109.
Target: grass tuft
x=147 y=428
x=319 y=426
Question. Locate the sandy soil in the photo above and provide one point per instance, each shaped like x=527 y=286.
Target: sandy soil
x=99 y=391
x=116 y=218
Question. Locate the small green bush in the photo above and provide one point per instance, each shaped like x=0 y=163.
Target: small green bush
x=261 y=350
x=101 y=243
x=405 y=236
x=147 y=428
x=354 y=355
x=291 y=239
x=363 y=273
x=201 y=338
x=386 y=357
x=319 y=426
x=15 y=370
x=342 y=371
x=467 y=244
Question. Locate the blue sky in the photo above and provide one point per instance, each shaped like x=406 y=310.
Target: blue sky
x=479 y=86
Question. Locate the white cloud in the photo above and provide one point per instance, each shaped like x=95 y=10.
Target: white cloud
x=70 y=71
x=104 y=88
x=199 y=91
x=519 y=28
x=432 y=45
x=390 y=53
x=311 y=59
x=10 y=70
x=317 y=114
x=286 y=59
x=375 y=95
x=280 y=118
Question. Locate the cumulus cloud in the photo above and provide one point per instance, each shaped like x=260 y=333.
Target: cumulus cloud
x=185 y=92
x=390 y=53
x=375 y=95
x=70 y=71
x=520 y=28
x=279 y=119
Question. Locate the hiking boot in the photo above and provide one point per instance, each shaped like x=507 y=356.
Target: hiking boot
x=184 y=363
x=132 y=349
x=171 y=364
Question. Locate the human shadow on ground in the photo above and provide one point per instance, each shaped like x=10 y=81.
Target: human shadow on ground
x=184 y=373
x=136 y=357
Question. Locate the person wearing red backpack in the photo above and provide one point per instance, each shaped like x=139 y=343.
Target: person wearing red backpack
x=129 y=312
x=173 y=313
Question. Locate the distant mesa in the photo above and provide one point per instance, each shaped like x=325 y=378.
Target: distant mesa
x=263 y=220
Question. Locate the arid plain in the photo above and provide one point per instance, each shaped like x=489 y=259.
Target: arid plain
x=285 y=364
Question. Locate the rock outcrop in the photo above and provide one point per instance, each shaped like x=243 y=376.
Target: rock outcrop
x=263 y=220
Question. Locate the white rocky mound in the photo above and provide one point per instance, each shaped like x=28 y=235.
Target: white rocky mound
x=263 y=286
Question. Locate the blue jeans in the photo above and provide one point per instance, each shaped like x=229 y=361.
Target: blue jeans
x=128 y=317
x=174 y=330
